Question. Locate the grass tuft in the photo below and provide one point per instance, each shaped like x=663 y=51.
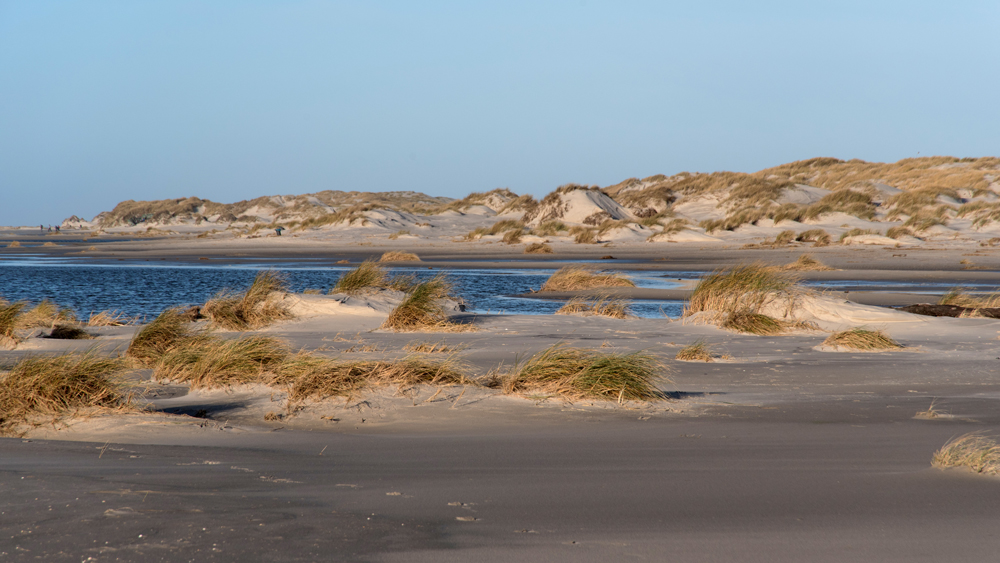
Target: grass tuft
x=697 y=352
x=806 y=262
x=604 y=306
x=211 y=362
x=254 y=308
x=44 y=315
x=975 y=451
x=571 y=278
x=167 y=331
x=9 y=314
x=746 y=287
x=421 y=309
x=960 y=298
x=109 y=318
x=399 y=256
x=862 y=339
x=538 y=248
x=582 y=373
x=749 y=322
x=58 y=385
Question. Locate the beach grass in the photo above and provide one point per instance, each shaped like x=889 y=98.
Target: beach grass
x=699 y=351
x=167 y=331
x=961 y=298
x=979 y=453
x=748 y=322
x=806 y=263
x=254 y=308
x=538 y=248
x=742 y=288
x=399 y=256
x=109 y=318
x=44 y=315
x=9 y=314
x=513 y=236
x=571 y=278
x=58 y=385
x=818 y=237
x=583 y=373
x=862 y=339
x=421 y=310
x=212 y=362
x=602 y=305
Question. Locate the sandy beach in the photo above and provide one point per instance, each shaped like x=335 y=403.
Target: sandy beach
x=780 y=450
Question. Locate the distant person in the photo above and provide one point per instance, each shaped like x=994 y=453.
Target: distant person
x=41 y=228
x=278 y=230
x=57 y=228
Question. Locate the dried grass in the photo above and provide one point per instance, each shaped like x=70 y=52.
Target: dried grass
x=513 y=236
x=898 y=231
x=421 y=310
x=572 y=278
x=167 y=331
x=14 y=244
x=582 y=373
x=862 y=339
x=738 y=295
x=9 y=314
x=45 y=315
x=603 y=306
x=857 y=233
x=109 y=318
x=806 y=263
x=212 y=362
x=254 y=308
x=399 y=256
x=583 y=235
x=550 y=228
x=974 y=451
x=538 y=248
x=428 y=347
x=960 y=298
x=697 y=352
x=817 y=236
x=59 y=385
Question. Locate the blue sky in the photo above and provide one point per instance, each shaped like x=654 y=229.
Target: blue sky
x=229 y=100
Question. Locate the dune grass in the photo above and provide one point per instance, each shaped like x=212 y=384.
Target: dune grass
x=603 y=305
x=738 y=295
x=312 y=377
x=45 y=315
x=9 y=314
x=818 y=237
x=538 y=248
x=960 y=298
x=369 y=275
x=806 y=263
x=428 y=347
x=109 y=318
x=582 y=373
x=421 y=310
x=58 y=385
x=212 y=362
x=974 y=451
x=899 y=231
x=252 y=309
x=571 y=278
x=696 y=352
x=583 y=235
x=399 y=256
x=550 y=228
x=513 y=236
x=14 y=244
x=167 y=331
x=856 y=232
x=862 y=339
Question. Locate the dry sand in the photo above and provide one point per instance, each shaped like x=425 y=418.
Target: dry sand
x=784 y=451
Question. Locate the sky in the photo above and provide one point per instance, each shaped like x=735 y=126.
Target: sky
x=104 y=101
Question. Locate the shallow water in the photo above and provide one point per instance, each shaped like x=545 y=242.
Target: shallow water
x=141 y=290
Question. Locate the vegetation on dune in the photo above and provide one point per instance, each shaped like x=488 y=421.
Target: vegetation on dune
x=738 y=295
x=399 y=256
x=109 y=318
x=582 y=235
x=167 y=331
x=550 y=228
x=513 y=236
x=973 y=451
x=538 y=248
x=254 y=308
x=211 y=362
x=571 y=278
x=817 y=236
x=696 y=352
x=45 y=315
x=59 y=385
x=806 y=263
x=9 y=314
x=421 y=309
x=370 y=275
x=898 y=232
x=961 y=298
x=862 y=339
x=582 y=373
x=603 y=305
x=857 y=233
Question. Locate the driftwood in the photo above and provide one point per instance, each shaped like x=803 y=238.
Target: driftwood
x=951 y=311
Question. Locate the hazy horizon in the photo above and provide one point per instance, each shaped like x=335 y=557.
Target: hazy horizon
x=108 y=101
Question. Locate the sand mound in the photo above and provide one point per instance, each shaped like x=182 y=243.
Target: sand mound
x=832 y=313
x=577 y=204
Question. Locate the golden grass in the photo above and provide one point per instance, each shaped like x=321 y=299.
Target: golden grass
x=14 y=244
x=582 y=373
x=398 y=234
x=550 y=228
x=421 y=310
x=59 y=385
x=211 y=362
x=749 y=322
x=899 y=231
x=855 y=232
x=738 y=295
x=367 y=274
x=109 y=318
x=538 y=248
x=583 y=235
x=697 y=352
x=312 y=377
x=603 y=306
x=504 y=226
x=44 y=315
x=399 y=256
x=960 y=298
x=974 y=451
x=862 y=339
x=254 y=308
x=166 y=332
x=806 y=263
x=428 y=347
x=817 y=236
x=513 y=236
x=9 y=314
x=571 y=278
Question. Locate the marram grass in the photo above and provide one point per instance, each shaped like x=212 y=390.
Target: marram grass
x=583 y=373
x=421 y=310
x=696 y=352
x=862 y=339
x=974 y=451
x=399 y=256
x=603 y=306
x=570 y=278
x=252 y=309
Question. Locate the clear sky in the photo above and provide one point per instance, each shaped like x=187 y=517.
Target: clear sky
x=228 y=100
